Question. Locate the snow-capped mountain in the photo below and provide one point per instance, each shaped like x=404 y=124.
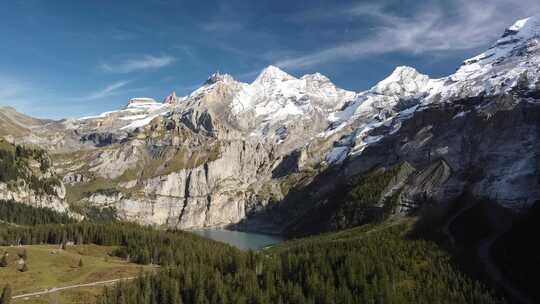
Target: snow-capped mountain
x=229 y=150
x=495 y=84
x=513 y=58
x=274 y=95
x=276 y=99
x=271 y=108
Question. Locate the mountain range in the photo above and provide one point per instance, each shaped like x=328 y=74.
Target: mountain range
x=284 y=154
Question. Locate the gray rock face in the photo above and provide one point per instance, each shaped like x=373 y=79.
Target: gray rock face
x=493 y=157
x=216 y=193
x=112 y=163
x=25 y=195
x=74 y=178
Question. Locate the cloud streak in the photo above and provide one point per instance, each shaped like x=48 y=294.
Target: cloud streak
x=466 y=25
x=222 y=26
x=8 y=90
x=108 y=91
x=146 y=62
x=13 y=91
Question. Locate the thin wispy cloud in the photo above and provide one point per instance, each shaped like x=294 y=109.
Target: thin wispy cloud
x=24 y=95
x=12 y=90
x=147 y=62
x=186 y=50
x=224 y=18
x=108 y=91
x=222 y=26
x=123 y=35
x=8 y=91
x=433 y=28
x=249 y=75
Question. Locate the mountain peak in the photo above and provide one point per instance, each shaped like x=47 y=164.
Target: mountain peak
x=522 y=29
x=403 y=70
x=171 y=99
x=218 y=77
x=273 y=73
x=404 y=80
x=143 y=103
x=316 y=77
x=518 y=24
x=531 y=24
x=519 y=41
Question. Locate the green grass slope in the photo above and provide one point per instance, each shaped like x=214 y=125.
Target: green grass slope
x=49 y=267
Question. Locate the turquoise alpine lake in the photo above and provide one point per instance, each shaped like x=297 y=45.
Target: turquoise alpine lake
x=239 y=239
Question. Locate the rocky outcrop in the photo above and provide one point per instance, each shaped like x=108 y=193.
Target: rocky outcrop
x=216 y=193
x=26 y=177
x=75 y=178
x=26 y=195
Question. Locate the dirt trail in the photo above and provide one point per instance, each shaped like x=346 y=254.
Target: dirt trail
x=57 y=289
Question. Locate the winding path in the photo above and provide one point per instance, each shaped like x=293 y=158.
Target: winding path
x=56 y=289
x=446 y=227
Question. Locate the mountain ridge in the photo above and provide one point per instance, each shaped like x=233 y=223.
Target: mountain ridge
x=231 y=151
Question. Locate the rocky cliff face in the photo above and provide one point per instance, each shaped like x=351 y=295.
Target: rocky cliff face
x=26 y=177
x=276 y=151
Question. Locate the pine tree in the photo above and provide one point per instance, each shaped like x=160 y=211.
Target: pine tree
x=23 y=255
x=6 y=295
x=63 y=245
x=79 y=239
x=4 y=261
x=81 y=263
x=145 y=256
x=173 y=296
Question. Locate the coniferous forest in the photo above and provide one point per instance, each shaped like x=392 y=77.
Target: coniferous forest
x=369 y=264
x=12 y=212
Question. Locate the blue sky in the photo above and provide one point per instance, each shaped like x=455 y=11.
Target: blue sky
x=75 y=58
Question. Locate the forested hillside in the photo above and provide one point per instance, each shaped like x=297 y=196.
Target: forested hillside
x=370 y=264
x=352 y=202
x=376 y=264
x=12 y=212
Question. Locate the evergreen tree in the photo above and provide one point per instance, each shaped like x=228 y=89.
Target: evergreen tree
x=81 y=263
x=23 y=254
x=6 y=295
x=4 y=261
x=145 y=258
x=64 y=241
x=21 y=214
